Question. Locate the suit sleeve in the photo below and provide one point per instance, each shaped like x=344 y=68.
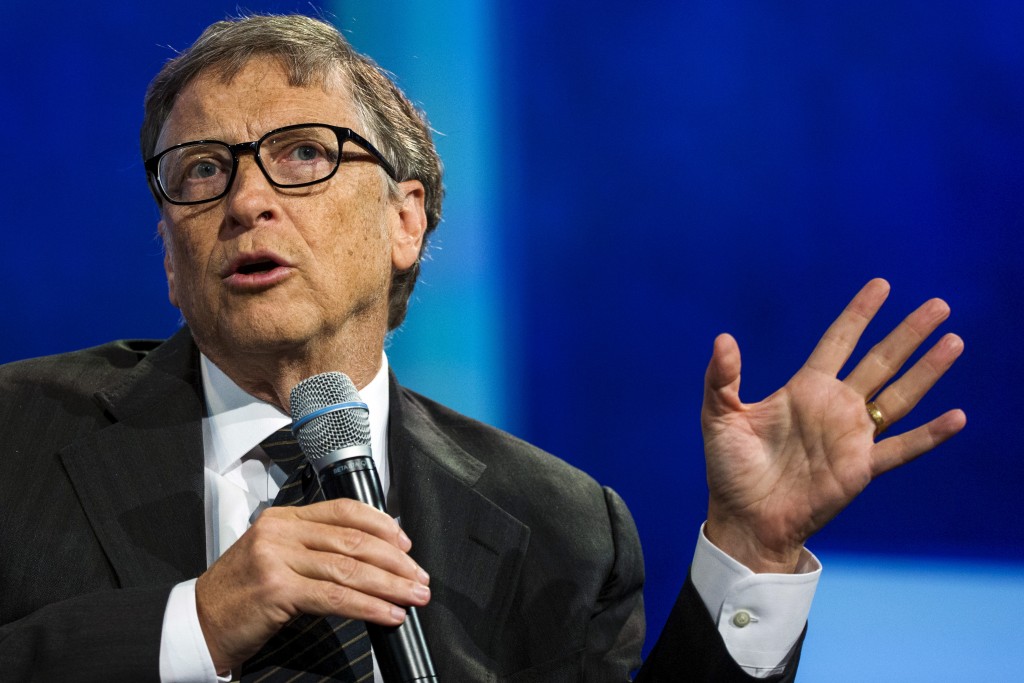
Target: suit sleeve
x=615 y=635
x=689 y=648
x=111 y=635
x=690 y=643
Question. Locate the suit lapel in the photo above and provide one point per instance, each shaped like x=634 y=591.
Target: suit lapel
x=471 y=547
x=140 y=480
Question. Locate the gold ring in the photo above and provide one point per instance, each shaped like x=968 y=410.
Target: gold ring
x=876 y=416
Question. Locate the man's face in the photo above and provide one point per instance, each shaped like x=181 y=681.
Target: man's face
x=275 y=270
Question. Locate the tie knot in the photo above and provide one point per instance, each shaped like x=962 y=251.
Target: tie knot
x=282 y=448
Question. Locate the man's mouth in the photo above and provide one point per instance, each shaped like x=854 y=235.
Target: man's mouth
x=257 y=267
x=256 y=270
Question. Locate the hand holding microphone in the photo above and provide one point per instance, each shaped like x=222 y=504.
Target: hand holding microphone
x=336 y=557
x=332 y=426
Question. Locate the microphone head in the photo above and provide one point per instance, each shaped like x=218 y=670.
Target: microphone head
x=342 y=427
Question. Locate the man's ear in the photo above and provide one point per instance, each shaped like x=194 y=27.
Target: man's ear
x=408 y=231
x=161 y=228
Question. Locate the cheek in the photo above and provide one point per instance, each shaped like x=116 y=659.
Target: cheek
x=355 y=256
x=186 y=257
x=183 y=256
x=356 y=236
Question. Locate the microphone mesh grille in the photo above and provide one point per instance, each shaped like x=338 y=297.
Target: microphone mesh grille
x=335 y=430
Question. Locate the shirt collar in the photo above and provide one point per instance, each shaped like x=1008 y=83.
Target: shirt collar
x=236 y=422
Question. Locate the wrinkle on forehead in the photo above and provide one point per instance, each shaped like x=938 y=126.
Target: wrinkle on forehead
x=208 y=114
x=299 y=77
x=325 y=77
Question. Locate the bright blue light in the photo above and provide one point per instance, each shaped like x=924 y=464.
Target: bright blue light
x=878 y=618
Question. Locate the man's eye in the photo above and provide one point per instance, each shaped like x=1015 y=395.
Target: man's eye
x=202 y=169
x=306 y=152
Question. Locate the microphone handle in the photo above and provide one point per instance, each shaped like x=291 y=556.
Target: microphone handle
x=401 y=651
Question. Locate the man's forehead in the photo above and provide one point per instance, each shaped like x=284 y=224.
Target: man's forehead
x=297 y=74
x=258 y=96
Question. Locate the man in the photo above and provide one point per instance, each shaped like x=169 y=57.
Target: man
x=297 y=188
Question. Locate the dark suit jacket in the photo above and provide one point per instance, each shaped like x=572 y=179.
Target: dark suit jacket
x=536 y=570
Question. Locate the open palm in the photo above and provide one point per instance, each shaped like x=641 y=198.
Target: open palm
x=780 y=469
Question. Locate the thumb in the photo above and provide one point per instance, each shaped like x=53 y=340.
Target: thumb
x=722 y=379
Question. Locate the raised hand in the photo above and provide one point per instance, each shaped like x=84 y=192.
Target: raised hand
x=780 y=469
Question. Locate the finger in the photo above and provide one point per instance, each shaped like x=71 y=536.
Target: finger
x=901 y=396
x=898 y=450
x=359 y=575
x=284 y=550
x=722 y=379
x=321 y=598
x=885 y=359
x=839 y=340
x=354 y=514
x=361 y=546
x=347 y=527
x=276 y=537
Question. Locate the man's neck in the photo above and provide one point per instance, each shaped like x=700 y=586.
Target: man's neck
x=271 y=375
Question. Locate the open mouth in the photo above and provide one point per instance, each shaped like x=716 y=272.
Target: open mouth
x=257 y=267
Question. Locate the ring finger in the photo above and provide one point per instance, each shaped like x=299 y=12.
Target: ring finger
x=900 y=397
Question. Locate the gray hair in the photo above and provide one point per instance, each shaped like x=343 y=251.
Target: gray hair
x=309 y=50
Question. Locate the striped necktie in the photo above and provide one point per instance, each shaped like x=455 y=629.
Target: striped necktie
x=307 y=648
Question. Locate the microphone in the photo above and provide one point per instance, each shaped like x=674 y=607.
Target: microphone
x=332 y=426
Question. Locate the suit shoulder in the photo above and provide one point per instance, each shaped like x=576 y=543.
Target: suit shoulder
x=80 y=369
x=491 y=444
x=517 y=472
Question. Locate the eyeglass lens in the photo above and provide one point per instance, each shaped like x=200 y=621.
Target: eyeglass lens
x=202 y=170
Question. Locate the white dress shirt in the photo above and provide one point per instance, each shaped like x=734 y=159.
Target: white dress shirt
x=240 y=481
x=759 y=616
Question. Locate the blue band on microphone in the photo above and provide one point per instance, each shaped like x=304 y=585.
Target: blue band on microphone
x=348 y=405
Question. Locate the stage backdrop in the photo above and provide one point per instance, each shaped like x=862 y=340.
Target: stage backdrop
x=625 y=182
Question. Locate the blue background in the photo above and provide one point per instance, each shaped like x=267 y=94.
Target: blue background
x=624 y=184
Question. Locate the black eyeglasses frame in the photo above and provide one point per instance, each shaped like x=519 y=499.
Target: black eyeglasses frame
x=152 y=165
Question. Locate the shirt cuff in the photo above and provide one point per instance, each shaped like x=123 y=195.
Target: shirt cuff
x=759 y=616
x=184 y=656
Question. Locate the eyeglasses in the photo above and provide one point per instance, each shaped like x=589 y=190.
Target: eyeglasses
x=293 y=156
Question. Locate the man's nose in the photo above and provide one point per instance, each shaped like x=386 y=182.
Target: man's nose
x=251 y=194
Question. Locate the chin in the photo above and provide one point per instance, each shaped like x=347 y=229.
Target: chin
x=262 y=338
x=250 y=333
